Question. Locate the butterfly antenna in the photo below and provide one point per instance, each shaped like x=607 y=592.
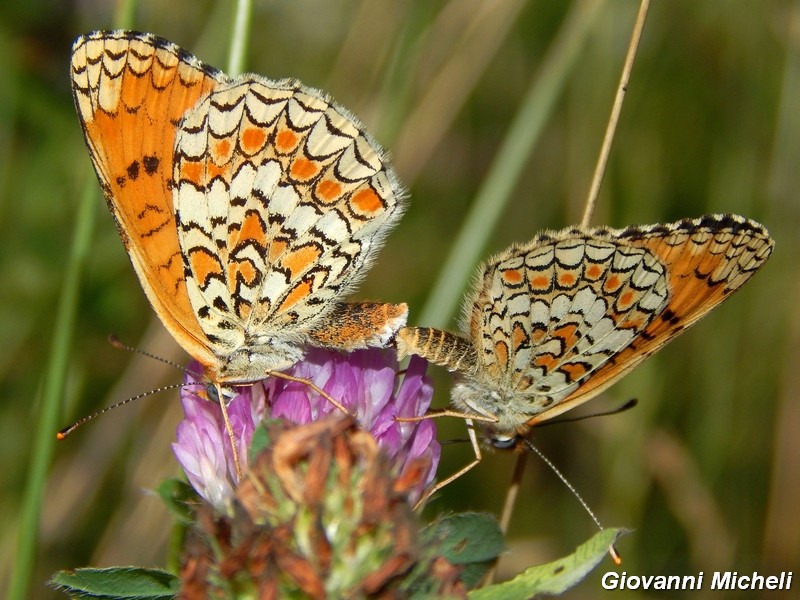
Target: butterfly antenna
x=68 y=430
x=454 y=441
x=615 y=556
x=632 y=403
x=117 y=343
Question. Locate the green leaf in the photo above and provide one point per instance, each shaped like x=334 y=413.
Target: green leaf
x=555 y=577
x=117 y=583
x=471 y=540
x=259 y=441
x=179 y=496
x=469 y=537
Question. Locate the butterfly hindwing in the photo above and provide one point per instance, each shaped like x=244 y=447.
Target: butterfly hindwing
x=707 y=260
x=556 y=309
x=281 y=200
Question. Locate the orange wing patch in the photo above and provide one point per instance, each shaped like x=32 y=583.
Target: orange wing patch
x=130 y=93
x=594 y=272
x=567 y=279
x=512 y=276
x=366 y=202
x=304 y=169
x=300 y=260
x=193 y=173
x=253 y=140
x=567 y=333
x=540 y=282
x=205 y=265
x=221 y=151
x=612 y=284
x=286 y=141
x=276 y=249
x=625 y=300
x=574 y=371
x=329 y=191
x=298 y=293
x=519 y=337
x=243 y=271
x=252 y=230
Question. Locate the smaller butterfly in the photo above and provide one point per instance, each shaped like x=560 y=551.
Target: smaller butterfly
x=249 y=207
x=552 y=323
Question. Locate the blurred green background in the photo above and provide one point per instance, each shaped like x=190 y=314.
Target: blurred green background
x=706 y=469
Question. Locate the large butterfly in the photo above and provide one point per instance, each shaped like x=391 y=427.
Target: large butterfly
x=248 y=207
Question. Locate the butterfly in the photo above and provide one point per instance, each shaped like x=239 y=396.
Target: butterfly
x=248 y=207
x=552 y=323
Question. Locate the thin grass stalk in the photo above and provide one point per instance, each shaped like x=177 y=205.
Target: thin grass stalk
x=611 y=127
x=55 y=374
x=52 y=396
x=240 y=37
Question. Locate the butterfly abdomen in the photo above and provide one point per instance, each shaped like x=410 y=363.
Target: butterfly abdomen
x=439 y=347
x=355 y=325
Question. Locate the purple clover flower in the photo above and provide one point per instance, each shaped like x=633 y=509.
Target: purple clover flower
x=202 y=444
x=366 y=382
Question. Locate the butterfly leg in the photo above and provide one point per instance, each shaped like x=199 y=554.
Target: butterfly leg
x=313 y=386
x=446 y=412
x=476 y=448
x=229 y=429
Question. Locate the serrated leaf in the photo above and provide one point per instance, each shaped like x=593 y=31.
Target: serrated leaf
x=117 y=583
x=555 y=577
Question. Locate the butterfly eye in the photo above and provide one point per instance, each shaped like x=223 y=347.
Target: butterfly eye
x=502 y=442
x=211 y=390
x=228 y=393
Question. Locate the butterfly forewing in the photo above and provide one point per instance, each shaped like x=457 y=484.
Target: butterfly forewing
x=130 y=91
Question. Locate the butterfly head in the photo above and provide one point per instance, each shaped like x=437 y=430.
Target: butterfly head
x=508 y=409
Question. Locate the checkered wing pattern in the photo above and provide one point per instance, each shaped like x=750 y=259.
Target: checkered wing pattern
x=553 y=322
x=706 y=260
x=549 y=313
x=282 y=199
